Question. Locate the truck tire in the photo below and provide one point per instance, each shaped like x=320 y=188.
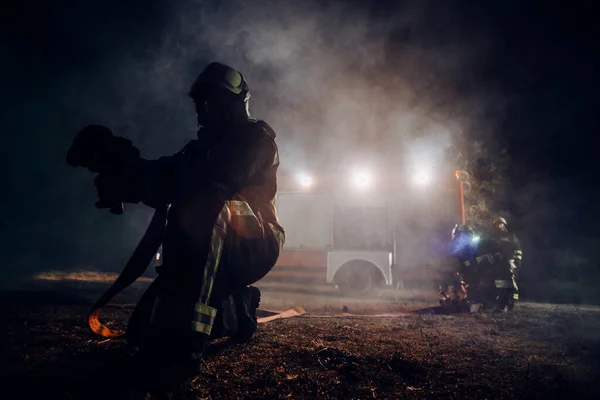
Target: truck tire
x=356 y=278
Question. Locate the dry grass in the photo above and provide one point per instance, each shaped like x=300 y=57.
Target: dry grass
x=538 y=351
x=82 y=276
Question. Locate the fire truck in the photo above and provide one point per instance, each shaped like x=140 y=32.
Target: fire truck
x=361 y=234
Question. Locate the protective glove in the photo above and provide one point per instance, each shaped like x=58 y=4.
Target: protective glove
x=114 y=158
x=125 y=187
x=97 y=149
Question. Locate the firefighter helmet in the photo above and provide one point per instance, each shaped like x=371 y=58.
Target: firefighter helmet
x=460 y=229
x=500 y=220
x=221 y=96
x=221 y=77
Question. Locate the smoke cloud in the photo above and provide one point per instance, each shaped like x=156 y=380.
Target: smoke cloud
x=337 y=82
x=341 y=83
x=394 y=85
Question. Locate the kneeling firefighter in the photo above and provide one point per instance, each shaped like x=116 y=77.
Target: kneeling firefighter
x=463 y=248
x=215 y=219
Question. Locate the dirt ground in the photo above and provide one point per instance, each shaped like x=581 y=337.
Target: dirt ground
x=537 y=351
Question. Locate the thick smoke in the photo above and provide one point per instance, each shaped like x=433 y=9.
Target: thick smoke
x=342 y=84
x=392 y=85
x=328 y=78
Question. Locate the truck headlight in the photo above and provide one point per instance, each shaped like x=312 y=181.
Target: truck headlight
x=304 y=180
x=362 y=179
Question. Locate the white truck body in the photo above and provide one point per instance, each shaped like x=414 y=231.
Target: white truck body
x=312 y=223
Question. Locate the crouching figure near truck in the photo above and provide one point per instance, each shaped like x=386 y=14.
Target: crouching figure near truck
x=486 y=268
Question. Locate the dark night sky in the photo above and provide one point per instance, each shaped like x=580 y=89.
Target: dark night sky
x=515 y=74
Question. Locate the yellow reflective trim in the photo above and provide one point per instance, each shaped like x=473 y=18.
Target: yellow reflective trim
x=238 y=207
x=212 y=278
x=519 y=252
x=204 y=318
x=214 y=255
x=503 y=284
x=519 y=257
x=279 y=236
x=201 y=328
x=205 y=310
x=516 y=296
x=205 y=278
x=209 y=272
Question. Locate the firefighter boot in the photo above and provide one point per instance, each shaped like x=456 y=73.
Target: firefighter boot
x=512 y=301
x=163 y=368
x=502 y=301
x=246 y=302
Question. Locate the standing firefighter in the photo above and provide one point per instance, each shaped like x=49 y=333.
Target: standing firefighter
x=215 y=217
x=508 y=268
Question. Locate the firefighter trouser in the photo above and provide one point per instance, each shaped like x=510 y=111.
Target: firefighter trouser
x=505 y=280
x=209 y=252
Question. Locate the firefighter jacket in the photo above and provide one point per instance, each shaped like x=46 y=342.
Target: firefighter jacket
x=510 y=247
x=242 y=160
x=487 y=254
